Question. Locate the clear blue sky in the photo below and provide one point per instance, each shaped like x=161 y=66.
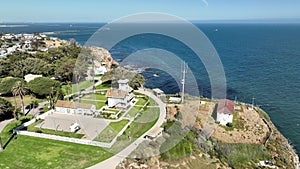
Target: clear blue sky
x=107 y=10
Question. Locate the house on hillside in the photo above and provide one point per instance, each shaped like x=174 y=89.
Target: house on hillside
x=121 y=97
x=71 y=107
x=225 y=111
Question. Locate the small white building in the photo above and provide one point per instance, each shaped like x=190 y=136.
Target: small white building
x=100 y=70
x=71 y=107
x=225 y=111
x=31 y=77
x=174 y=99
x=120 y=97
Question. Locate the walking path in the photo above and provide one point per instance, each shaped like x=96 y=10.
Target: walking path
x=4 y=123
x=36 y=111
x=112 y=162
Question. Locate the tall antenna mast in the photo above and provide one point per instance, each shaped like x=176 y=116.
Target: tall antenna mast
x=183 y=82
x=253 y=103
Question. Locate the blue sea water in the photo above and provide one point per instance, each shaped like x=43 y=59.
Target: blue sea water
x=260 y=61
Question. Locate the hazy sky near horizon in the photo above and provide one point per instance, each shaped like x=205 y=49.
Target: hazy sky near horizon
x=108 y=10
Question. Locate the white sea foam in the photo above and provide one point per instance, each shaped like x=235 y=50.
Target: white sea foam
x=12 y=26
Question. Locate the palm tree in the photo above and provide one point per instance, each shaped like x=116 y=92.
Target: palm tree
x=21 y=90
x=69 y=87
x=54 y=95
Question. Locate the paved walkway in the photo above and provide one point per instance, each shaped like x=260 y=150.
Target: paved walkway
x=36 y=111
x=4 y=123
x=112 y=162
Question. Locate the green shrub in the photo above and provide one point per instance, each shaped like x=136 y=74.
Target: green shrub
x=229 y=125
x=241 y=155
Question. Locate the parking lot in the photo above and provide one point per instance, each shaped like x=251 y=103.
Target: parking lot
x=90 y=126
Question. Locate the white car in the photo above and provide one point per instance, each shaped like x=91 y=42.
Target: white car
x=74 y=127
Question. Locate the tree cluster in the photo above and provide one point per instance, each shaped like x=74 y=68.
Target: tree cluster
x=57 y=62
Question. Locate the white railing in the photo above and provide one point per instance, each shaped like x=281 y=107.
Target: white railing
x=66 y=139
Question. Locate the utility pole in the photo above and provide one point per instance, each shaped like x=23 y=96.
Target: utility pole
x=183 y=82
x=253 y=103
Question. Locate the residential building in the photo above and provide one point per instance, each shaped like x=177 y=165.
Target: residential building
x=71 y=107
x=121 y=97
x=225 y=111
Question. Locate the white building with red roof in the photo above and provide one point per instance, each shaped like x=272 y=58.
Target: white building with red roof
x=120 y=97
x=71 y=107
x=225 y=111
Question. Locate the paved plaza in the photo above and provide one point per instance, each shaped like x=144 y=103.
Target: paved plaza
x=90 y=126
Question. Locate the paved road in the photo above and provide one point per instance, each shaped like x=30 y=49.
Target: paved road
x=4 y=123
x=112 y=162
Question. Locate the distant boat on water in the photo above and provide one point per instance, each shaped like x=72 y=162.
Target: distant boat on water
x=155 y=75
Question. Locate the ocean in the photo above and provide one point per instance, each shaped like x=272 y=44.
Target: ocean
x=261 y=61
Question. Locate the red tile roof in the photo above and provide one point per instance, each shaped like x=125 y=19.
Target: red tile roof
x=225 y=106
x=72 y=105
x=116 y=93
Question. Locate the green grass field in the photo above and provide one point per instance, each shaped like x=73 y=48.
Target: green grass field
x=82 y=85
x=135 y=130
x=103 y=86
x=142 y=101
x=98 y=104
x=133 y=111
x=95 y=96
x=113 y=111
x=111 y=131
x=33 y=153
x=27 y=100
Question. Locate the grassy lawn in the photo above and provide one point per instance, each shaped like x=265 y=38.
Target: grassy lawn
x=152 y=102
x=27 y=100
x=82 y=85
x=32 y=128
x=98 y=104
x=34 y=153
x=135 y=130
x=141 y=101
x=114 y=111
x=111 y=131
x=95 y=96
x=104 y=86
x=133 y=111
x=7 y=132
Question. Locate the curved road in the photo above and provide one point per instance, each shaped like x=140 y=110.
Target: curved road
x=112 y=162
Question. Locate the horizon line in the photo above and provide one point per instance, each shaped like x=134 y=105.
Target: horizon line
x=192 y=21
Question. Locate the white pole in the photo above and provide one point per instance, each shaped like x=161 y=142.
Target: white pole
x=183 y=82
